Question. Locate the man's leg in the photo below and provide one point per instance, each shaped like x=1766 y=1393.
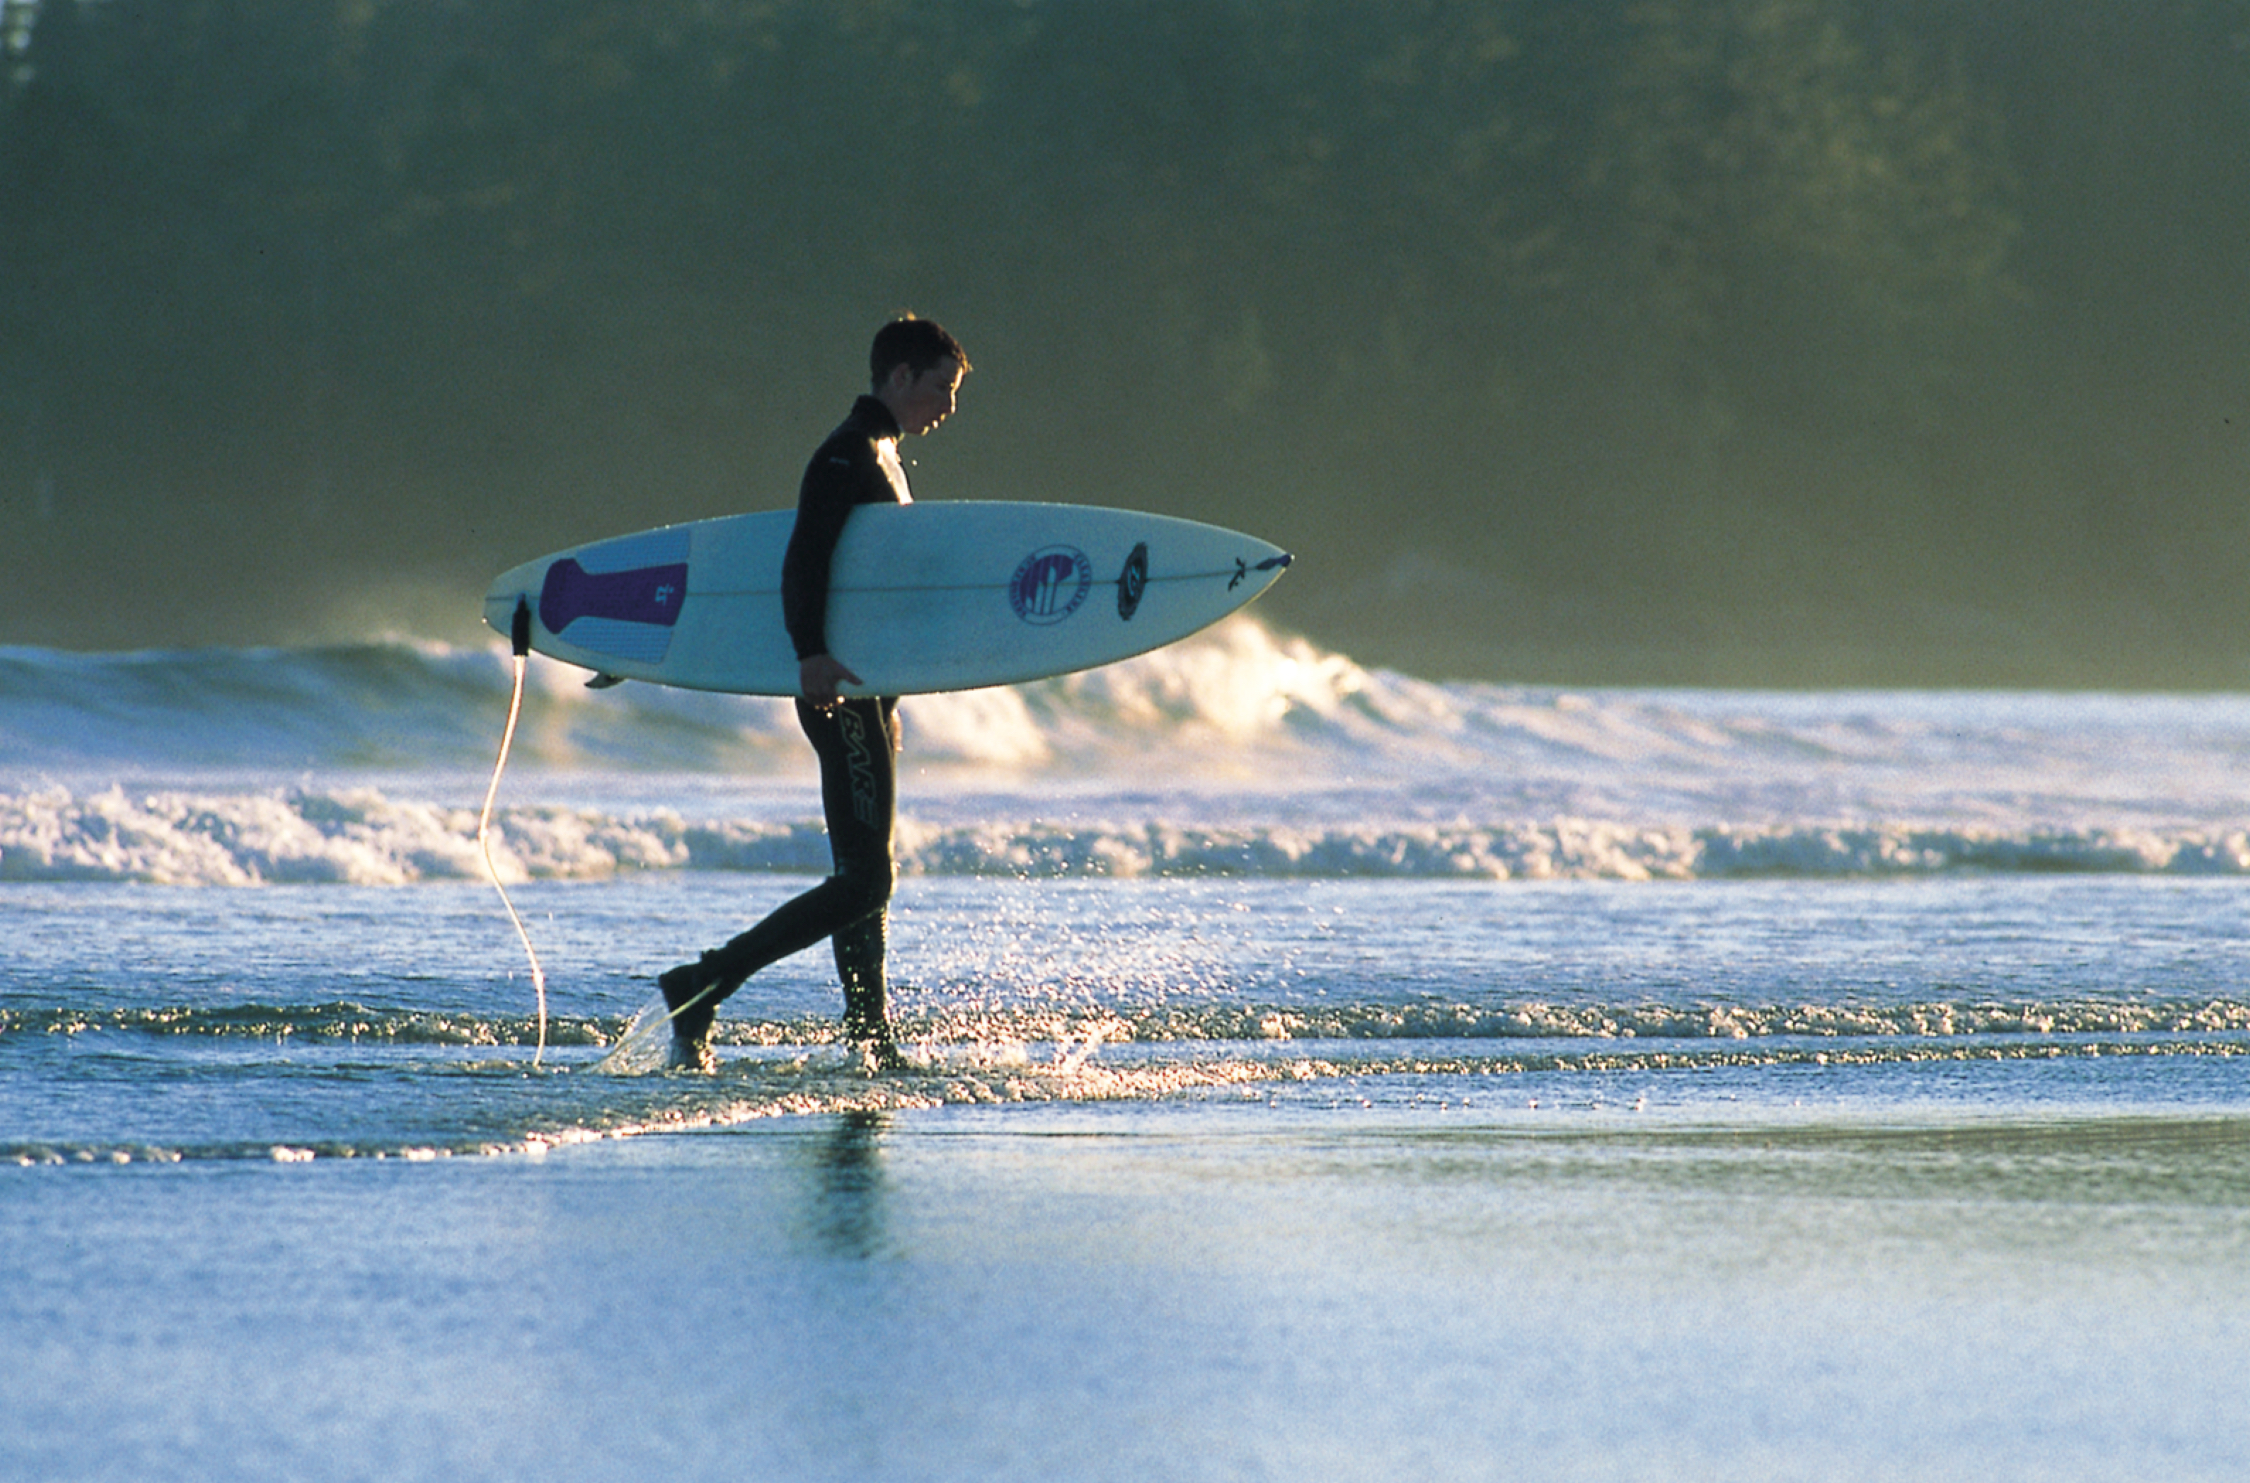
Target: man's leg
x=860 y=950
x=860 y=832
x=859 y=797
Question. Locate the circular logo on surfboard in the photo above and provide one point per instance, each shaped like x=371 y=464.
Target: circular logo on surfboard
x=1050 y=584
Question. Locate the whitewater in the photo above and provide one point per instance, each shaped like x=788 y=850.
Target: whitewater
x=1243 y=753
x=1318 y=1070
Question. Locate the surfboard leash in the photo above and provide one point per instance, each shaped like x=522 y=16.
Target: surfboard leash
x=520 y=640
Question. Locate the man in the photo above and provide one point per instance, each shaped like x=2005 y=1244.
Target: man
x=917 y=369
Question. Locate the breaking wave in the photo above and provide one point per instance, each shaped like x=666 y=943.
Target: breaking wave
x=1242 y=752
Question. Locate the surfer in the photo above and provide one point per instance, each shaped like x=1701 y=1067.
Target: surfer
x=916 y=369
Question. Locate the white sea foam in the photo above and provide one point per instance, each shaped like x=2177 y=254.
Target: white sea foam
x=362 y=837
x=1242 y=751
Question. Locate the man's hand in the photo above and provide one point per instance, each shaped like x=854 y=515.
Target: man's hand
x=820 y=677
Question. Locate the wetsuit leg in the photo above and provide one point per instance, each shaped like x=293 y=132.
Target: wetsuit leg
x=860 y=949
x=862 y=945
x=859 y=796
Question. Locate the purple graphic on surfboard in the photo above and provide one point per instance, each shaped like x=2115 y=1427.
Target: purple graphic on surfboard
x=620 y=598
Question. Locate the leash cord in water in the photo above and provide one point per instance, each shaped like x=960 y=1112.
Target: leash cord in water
x=522 y=636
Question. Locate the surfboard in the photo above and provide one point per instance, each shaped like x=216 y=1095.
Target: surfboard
x=932 y=596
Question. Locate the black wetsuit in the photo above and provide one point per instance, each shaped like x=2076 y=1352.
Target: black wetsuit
x=855 y=739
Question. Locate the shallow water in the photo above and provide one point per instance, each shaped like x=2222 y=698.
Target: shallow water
x=1892 y=1288
x=169 y=1023
x=1317 y=1074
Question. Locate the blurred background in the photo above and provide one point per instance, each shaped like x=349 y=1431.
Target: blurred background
x=1746 y=342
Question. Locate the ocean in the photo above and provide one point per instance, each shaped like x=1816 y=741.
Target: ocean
x=1320 y=1072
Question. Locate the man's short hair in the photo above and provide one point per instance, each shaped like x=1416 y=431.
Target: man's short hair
x=917 y=344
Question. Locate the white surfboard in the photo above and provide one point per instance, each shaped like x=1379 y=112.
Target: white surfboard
x=932 y=596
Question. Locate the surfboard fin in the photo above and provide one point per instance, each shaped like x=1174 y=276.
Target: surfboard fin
x=605 y=682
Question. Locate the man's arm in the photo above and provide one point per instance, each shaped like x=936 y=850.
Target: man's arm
x=824 y=503
x=825 y=500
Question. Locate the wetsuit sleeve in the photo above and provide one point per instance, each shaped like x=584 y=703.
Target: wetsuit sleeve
x=824 y=503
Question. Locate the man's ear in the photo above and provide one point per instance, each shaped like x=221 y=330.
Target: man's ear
x=900 y=378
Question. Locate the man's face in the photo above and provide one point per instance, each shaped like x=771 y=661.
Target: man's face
x=921 y=402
